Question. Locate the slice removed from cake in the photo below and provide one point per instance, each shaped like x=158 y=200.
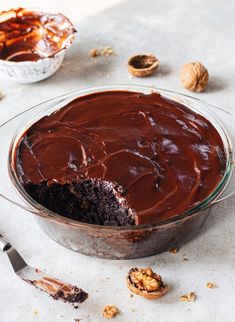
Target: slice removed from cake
x=95 y=201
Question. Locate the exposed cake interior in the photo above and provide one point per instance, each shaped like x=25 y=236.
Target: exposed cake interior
x=121 y=158
x=93 y=201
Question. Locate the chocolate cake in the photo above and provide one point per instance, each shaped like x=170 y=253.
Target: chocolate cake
x=120 y=158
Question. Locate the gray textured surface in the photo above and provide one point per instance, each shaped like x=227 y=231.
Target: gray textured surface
x=177 y=32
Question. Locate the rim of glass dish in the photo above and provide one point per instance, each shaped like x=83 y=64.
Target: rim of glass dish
x=41 y=211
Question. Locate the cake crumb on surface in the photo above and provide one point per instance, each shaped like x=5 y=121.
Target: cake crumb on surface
x=1 y=95
x=107 y=51
x=185 y=258
x=174 y=250
x=110 y=311
x=190 y=297
x=211 y=285
x=94 y=52
x=35 y=312
x=102 y=51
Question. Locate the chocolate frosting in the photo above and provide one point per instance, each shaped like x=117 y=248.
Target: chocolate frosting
x=167 y=157
x=27 y=35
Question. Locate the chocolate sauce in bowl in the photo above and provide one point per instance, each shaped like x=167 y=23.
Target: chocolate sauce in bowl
x=30 y=35
x=166 y=157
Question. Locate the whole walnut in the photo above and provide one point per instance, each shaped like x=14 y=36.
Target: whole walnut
x=194 y=76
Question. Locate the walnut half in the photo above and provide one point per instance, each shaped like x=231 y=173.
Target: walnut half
x=144 y=282
x=142 y=65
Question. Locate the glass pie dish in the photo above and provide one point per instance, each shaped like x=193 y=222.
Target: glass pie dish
x=114 y=242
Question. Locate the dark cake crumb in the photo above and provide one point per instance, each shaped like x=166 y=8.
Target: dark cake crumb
x=76 y=295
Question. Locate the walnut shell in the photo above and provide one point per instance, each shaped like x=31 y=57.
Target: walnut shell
x=194 y=76
x=146 y=283
x=142 y=65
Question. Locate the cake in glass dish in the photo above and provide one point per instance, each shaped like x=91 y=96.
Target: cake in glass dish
x=121 y=158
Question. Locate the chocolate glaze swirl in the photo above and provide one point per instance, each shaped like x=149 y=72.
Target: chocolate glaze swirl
x=167 y=157
x=27 y=35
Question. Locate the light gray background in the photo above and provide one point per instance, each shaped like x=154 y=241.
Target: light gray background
x=177 y=32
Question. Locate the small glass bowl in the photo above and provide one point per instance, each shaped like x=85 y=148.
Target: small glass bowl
x=109 y=241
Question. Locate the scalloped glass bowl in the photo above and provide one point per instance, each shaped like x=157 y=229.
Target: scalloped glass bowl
x=109 y=241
